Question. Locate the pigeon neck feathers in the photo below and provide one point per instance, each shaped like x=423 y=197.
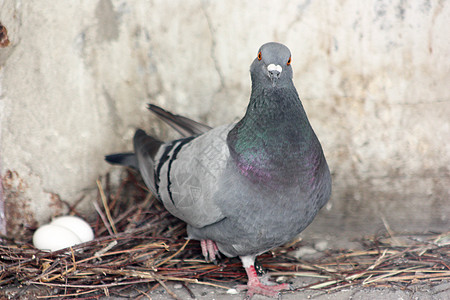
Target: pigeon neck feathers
x=274 y=144
x=274 y=141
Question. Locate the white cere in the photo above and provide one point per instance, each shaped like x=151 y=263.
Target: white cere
x=273 y=67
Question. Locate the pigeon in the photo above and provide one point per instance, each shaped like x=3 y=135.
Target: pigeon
x=242 y=188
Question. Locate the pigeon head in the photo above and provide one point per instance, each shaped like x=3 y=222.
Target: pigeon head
x=272 y=66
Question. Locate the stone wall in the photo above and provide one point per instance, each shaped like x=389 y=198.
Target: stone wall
x=373 y=76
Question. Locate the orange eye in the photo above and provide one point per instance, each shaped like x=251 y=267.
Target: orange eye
x=259 y=55
x=289 y=61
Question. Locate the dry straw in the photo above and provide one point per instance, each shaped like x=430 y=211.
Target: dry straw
x=138 y=242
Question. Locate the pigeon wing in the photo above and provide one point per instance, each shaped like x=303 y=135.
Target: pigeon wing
x=186 y=175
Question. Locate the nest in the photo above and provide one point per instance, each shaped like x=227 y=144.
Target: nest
x=138 y=241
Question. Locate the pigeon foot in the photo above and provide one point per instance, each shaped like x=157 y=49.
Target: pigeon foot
x=209 y=250
x=255 y=286
x=262 y=289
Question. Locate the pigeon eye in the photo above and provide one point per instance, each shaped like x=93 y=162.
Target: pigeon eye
x=289 y=61
x=259 y=55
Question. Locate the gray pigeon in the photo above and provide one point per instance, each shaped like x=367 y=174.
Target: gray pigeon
x=246 y=187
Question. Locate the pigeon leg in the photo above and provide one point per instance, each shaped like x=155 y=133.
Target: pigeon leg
x=209 y=250
x=254 y=285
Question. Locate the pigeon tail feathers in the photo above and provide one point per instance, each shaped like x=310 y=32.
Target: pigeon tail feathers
x=146 y=148
x=124 y=159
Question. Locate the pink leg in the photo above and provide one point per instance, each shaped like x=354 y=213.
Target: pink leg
x=209 y=250
x=254 y=285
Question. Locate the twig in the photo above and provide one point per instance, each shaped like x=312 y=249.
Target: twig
x=105 y=249
x=395 y=241
x=175 y=254
x=67 y=295
x=169 y=291
x=188 y=290
x=105 y=205
x=102 y=216
x=378 y=261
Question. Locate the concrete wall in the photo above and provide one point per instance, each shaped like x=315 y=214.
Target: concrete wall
x=373 y=76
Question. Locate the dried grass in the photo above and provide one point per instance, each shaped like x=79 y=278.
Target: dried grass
x=138 y=241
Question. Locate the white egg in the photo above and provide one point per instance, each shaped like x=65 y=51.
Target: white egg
x=77 y=225
x=51 y=237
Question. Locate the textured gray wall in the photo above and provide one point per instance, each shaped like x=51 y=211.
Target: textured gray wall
x=373 y=76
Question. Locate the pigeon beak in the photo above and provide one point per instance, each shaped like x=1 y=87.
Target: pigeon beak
x=274 y=72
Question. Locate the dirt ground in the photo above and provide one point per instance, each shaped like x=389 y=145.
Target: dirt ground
x=440 y=291
x=420 y=292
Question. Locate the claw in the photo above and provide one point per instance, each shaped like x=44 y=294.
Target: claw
x=209 y=250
